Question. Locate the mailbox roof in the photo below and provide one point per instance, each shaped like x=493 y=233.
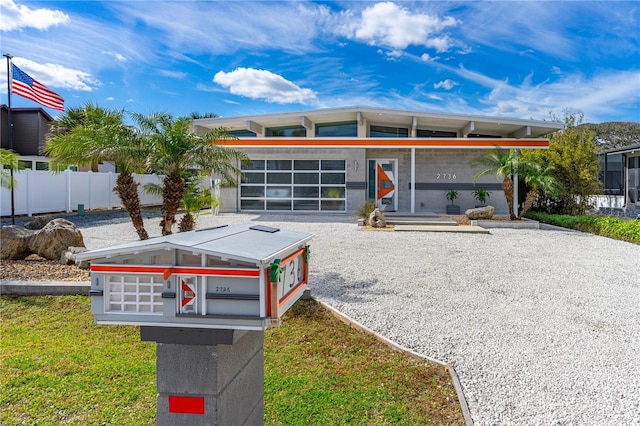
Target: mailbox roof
x=246 y=242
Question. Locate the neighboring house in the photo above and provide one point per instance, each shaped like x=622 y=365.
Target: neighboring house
x=334 y=159
x=30 y=128
x=620 y=174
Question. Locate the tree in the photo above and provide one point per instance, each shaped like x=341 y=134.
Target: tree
x=10 y=163
x=614 y=134
x=196 y=197
x=90 y=134
x=503 y=163
x=538 y=177
x=572 y=154
x=175 y=149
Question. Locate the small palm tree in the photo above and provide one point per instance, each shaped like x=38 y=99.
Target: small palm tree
x=10 y=163
x=481 y=195
x=90 y=134
x=174 y=149
x=538 y=178
x=196 y=198
x=504 y=164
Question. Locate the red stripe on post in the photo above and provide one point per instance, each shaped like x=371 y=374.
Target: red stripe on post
x=186 y=404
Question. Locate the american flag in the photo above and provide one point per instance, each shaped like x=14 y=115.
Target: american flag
x=27 y=87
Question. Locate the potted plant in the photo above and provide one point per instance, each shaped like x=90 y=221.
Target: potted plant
x=481 y=195
x=452 y=195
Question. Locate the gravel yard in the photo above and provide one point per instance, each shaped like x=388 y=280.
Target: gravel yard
x=542 y=326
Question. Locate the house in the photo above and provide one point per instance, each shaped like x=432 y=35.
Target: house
x=30 y=128
x=620 y=175
x=333 y=160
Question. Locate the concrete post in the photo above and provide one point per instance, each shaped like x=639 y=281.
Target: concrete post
x=208 y=377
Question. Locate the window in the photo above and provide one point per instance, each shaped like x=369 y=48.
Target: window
x=611 y=173
x=347 y=128
x=298 y=185
x=423 y=133
x=388 y=132
x=242 y=133
x=286 y=131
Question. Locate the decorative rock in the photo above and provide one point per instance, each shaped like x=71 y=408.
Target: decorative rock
x=68 y=257
x=377 y=219
x=38 y=222
x=54 y=238
x=14 y=242
x=480 y=213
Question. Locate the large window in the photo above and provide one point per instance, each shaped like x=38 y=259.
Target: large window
x=424 y=133
x=346 y=128
x=286 y=132
x=612 y=173
x=298 y=185
x=388 y=132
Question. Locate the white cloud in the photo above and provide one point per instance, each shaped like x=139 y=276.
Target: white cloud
x=445 y=84
x=17 y=17
x=117 y=56
x=389 y=25
x=262 y=84
x=54 y=75
x=111 y=98
x=598 y=95
x=173 y=74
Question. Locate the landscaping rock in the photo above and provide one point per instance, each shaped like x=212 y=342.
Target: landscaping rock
x=68 y=257
x=57 y=236
x=38 y=222
x=480 y=213
x=14 y=242
x=377 y=219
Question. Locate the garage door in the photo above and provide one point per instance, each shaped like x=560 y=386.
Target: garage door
x=294 y=185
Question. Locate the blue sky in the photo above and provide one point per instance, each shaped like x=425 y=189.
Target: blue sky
x=520 y=59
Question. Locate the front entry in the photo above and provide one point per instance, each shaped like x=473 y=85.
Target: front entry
x=383 y=183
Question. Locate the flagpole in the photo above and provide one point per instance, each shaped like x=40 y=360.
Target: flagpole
x=10 y=133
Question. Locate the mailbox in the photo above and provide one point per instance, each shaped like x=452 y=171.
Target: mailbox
x=242 y=277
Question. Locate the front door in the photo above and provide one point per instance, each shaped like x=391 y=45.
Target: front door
x=383 y=182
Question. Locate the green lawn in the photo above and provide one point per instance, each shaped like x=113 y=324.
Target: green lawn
x=59 y=367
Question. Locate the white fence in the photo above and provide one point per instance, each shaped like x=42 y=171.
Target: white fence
x=47 y=192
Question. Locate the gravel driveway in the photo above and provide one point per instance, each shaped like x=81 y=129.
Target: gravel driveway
x=542 y=326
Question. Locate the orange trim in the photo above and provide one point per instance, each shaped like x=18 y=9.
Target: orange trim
x=291 y=292
x=166 y=272
x=390 y=143
x=292 y=256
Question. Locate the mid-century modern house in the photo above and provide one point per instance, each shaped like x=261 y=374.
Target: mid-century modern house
x=333 y=160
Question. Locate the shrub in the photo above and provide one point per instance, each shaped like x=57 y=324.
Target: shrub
x=611 y=227
x=366 y=209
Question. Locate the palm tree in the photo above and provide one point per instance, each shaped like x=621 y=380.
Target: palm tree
x=504 y=164
x=91 y=134
x=175 y=149
x=538 y=178
x=8 y=159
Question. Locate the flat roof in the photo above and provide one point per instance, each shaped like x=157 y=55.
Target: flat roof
x=497 y=126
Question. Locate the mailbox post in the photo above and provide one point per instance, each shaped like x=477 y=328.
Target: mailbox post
x=205 y=297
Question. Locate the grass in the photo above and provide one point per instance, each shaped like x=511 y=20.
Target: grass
x=60 y=367
x=611 y=227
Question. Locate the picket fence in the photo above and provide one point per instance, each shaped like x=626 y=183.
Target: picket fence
x=39 y=192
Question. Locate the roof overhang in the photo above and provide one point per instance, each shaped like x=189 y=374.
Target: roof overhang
x=434 y=143
x=463 y=124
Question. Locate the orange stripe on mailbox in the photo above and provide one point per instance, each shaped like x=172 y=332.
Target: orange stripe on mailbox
x=167 y=272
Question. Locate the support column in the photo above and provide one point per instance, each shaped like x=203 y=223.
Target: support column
x=413 y=180
x=208 y=377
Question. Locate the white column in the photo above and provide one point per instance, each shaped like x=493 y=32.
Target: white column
x=413 y=180
x=515 y=185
